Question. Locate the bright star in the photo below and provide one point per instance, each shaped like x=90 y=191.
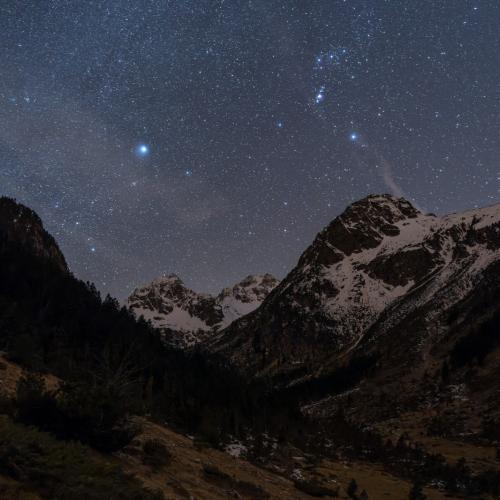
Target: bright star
x=320 y=95
x=353 y=136
x=142 y=150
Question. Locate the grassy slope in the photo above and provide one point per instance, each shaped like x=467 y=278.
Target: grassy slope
x=57 y=469
x=185 y=477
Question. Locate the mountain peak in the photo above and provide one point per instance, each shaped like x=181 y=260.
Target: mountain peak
x=379 y=210
x=379 y=253
x=22 y=225
x=363 y=225
x=185 y=317
x=168 y=279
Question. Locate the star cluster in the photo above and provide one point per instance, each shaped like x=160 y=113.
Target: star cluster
x=215 y=138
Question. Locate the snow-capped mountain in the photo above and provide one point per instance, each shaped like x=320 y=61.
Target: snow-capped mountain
x=185 y=317
x=378 y=265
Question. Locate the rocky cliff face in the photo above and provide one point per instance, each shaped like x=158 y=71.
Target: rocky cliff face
x=21 y=225
x=377 y=267
x=185 y=317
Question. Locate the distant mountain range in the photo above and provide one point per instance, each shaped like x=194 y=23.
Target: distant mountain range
x=384 y=296
x=185 y=318
x=383 y=289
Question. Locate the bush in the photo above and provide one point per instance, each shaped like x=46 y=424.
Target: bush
x=243 y=488
x=314 y=489
x=23 y=350
x=416 y=492
x=34 y=404
x=156 y=454
x=7 y=406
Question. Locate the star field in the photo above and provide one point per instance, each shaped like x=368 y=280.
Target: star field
x=215 y=138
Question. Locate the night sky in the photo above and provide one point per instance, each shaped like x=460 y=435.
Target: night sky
x=214 y=139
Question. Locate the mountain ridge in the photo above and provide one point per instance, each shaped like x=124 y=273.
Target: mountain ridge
x=377 y=253
x=185 y=317
x=21 y=225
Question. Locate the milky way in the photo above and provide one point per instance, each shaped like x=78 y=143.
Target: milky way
x=215 y=138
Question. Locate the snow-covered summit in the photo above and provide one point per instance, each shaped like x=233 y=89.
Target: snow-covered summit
x=379 y=260
x=186 y=317
x=245 y=296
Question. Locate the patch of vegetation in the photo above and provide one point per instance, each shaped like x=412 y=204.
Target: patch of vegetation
x=245 y=488
x=447 y=425
x=94 y=414
x=478 y=343
x=61 y=470
x=314 y=489
x=490 y=429
x=341 y=379
x=6 y=404
x=352 y=488
x=156 y=454
x=416 y=492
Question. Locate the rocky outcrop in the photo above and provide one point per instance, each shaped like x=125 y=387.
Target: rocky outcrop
x=19 y=224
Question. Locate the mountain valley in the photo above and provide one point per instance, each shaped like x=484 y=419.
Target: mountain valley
x=370 y=371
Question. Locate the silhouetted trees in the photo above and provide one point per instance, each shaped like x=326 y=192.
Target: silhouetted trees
x=52 y=322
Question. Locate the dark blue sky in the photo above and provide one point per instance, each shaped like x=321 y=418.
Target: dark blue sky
x=260 y=120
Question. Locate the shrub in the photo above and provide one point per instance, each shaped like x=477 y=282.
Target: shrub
x=243 y=488
x=156 y=454
x=213 y=471
x=416 y=492
x=352 y=488
x=34 y=404
x=314 y=489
